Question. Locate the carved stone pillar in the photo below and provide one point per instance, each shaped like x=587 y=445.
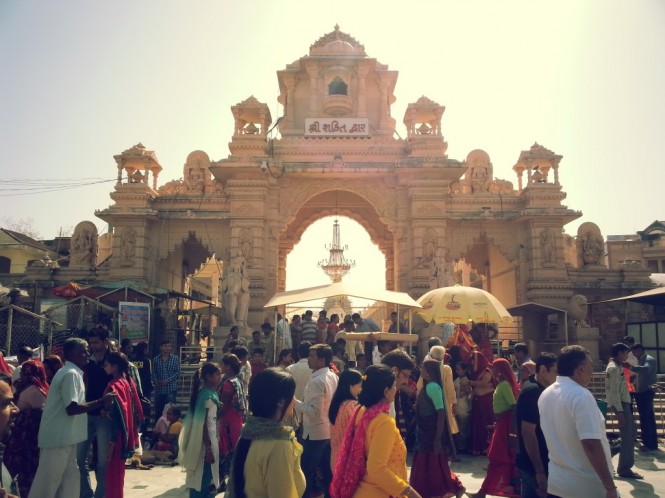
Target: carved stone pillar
x=313 y=72
x=290 y=82
x=362 y=75
x=384 y=84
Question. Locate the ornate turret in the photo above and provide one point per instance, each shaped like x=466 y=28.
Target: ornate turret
x=537 y=161
x=423 y=127
x=138 y=163
x=252 y=122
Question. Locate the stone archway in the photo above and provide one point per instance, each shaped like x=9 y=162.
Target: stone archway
x=335 y=202
x=182 y=261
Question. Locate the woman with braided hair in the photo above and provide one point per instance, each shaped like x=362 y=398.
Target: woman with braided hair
x=199 y=447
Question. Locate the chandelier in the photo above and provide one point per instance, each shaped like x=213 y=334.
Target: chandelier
x=336 y=266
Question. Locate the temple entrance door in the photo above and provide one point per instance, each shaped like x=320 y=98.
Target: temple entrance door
x=346 y=205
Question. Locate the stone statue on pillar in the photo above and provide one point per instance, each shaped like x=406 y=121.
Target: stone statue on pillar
x=235 y=290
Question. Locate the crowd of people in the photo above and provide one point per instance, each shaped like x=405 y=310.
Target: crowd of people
x=85 y=411
x=343 y=427
x=310 y=421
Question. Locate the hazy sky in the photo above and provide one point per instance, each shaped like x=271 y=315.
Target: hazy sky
x=82 y=81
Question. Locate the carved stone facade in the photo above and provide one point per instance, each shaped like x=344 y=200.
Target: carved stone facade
x=437 y=220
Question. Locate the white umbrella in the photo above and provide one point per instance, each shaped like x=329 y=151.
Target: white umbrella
x=461 y=305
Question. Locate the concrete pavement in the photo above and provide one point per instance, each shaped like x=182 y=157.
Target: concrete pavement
x=168 y=482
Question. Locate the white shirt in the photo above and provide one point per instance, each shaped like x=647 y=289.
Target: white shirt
x=57 y=429
x=301 y=373
x=284 y=333
x=315 y=405
x=568 y=414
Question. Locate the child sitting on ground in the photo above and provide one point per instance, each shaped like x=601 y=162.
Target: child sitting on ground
x=165 y=448
x=169 y=441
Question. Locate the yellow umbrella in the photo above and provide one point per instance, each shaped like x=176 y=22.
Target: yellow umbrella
x=461 y=305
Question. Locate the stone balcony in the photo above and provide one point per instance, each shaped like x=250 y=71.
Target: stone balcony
x=337 y=105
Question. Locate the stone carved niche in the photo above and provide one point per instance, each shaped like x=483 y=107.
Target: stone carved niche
x=196 y=174
x=83 y=252
x=590 y=245
x=127 y=246
x=548 y=253
x=430 y=244
x=246 y=244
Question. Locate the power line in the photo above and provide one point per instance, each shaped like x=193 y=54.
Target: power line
x=44 y=188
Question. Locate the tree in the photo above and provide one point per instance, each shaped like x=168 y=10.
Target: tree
x=26 y=226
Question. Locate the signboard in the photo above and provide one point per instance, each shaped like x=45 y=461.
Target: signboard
x=336 y=127
x=134 y=321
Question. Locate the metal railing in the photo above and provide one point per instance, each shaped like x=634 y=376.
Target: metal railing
x=21 y=327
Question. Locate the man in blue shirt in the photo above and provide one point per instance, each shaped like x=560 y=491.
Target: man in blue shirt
x=647 y=371
x=165 y=373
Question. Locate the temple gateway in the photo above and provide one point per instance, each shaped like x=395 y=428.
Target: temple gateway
x=437 y=220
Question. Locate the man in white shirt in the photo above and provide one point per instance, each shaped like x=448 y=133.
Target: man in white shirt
x=574 y=429
x=301 y=373
x=316 y=426
x=64 y=425
x=300 y=370
x=283 y=334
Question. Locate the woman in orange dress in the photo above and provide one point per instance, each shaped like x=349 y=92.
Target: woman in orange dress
x=342 y=407
x=375 y=455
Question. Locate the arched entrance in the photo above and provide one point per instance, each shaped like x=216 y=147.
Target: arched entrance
x=341 y=203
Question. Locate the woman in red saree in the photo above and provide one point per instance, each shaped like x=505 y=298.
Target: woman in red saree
x=22 y=452
x=502 y=478
x=482 y=417
x=126 y=414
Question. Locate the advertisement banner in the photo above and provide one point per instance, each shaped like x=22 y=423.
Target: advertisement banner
x=134 y=321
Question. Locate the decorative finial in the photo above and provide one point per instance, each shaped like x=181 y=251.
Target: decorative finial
x=336 y=27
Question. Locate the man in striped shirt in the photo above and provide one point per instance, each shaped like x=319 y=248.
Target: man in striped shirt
x=165 y=373
x=309 y=331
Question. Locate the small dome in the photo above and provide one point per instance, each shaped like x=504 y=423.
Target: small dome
x=340 y=47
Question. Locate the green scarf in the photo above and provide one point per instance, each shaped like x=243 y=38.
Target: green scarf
x=256 y=428
x=263 y=428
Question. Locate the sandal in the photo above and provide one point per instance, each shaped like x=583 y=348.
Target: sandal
x=631 y=475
